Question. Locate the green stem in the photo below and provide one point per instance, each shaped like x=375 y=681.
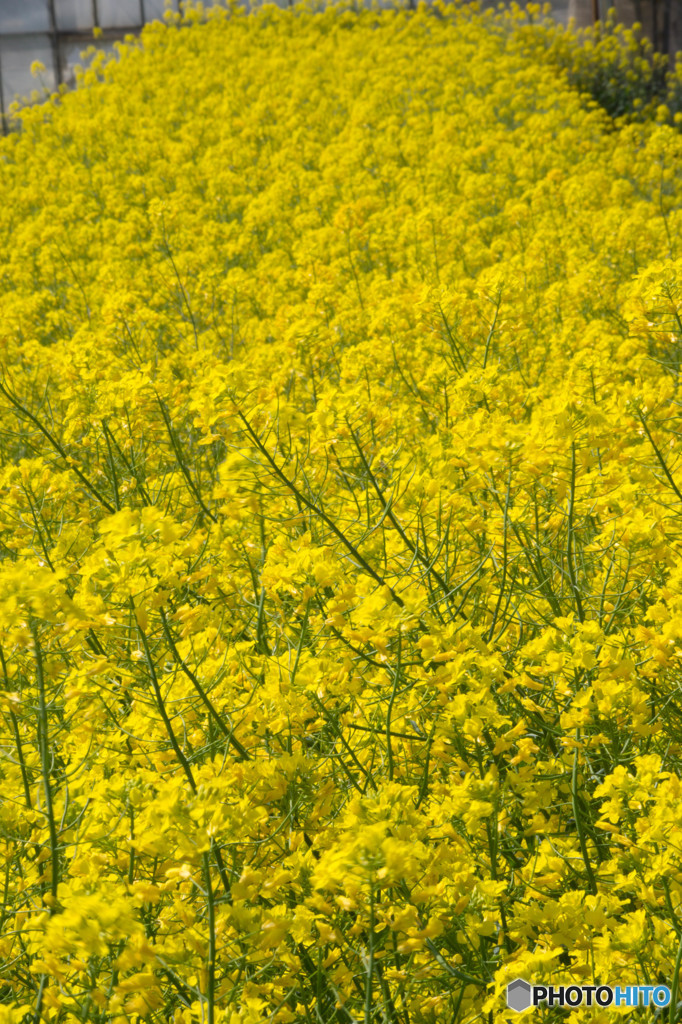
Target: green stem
x=674 y=986
x=389 y=712
x=370 y=957
x=210 y=900
x=570 y=544
x=44 y=753
x=578 y=821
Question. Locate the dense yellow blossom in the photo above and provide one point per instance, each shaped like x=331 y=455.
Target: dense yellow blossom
x=341 y=485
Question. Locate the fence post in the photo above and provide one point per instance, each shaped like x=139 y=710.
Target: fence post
x=3 y=118
x=56 y=56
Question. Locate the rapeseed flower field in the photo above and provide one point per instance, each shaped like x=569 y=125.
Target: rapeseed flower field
x=341 y=515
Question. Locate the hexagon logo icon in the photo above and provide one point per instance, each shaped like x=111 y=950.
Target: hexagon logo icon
x=518 y=995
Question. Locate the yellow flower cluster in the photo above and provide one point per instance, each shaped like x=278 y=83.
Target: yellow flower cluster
x=340 y=505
